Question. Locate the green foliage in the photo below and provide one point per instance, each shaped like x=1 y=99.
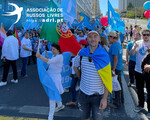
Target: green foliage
x=130 y=6
x=140 y=12
x=130 y=14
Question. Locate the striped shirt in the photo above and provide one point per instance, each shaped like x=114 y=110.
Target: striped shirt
x=91 y=83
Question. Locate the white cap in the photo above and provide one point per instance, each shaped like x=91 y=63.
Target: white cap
x=93 y=32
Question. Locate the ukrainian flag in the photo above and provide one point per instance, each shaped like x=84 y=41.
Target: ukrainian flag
x=102 y=63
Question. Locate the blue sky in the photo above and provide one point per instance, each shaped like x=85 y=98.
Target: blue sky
x=104 y=5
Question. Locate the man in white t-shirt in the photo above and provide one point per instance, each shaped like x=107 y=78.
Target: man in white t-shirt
x=26 y=51
x=10 y=54
x=140 y=48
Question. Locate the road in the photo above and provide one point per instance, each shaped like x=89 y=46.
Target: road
x=132 y=22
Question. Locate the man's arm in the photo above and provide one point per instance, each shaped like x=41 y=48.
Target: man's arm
x=133 y=51
x=103 y=102
x=38 y=55
x=127 y=56
x=25 y=48
x=77 y=72
x=115 y=61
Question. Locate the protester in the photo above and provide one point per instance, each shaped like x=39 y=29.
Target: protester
x=10 y=54
x=115 y=54
x=26 y=51
x=146 y=72
x=81 y=36
x=93 y=93
x=55 y=67
x=131 y=59
x=139 y=48
x=104 y=43
x=135 y=30
x=121 y=37
x=131 y=32
x=33 y=53
x=83 y=43
x=127 y=33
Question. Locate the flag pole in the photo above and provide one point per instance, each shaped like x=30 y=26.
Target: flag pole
x=39 y=46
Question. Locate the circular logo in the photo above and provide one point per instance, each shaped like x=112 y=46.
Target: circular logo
x=63 y=30
x=142 y=51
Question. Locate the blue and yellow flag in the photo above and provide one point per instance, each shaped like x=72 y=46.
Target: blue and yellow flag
x=102 y=63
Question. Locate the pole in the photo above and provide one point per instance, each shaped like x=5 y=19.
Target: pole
x=135 y=12
x=38 y=46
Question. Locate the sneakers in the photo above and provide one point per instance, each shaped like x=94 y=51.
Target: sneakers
x=59 y=108
x=3 y=83
x=66 y=90
x=14 y=81
x=138 y=109
x=130 y=84
x=71 y=103
x=148 y=115
x=77 y=88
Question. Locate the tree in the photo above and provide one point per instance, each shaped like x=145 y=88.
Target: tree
x=130 y=6
x=140 y=12
x=130 y=14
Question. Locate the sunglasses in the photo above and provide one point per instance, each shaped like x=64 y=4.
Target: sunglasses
x=90 y=58
x=146 y=34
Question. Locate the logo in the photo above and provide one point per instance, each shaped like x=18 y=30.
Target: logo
x=63 y=30
x=16 y=12
x=142 y=50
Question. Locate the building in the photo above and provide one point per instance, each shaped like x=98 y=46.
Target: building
x=96 y=9
x=84 y=6
x=122 y=5
x=125 y=4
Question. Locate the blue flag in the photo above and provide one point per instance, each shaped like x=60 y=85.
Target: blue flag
x=114 y=19
x=85 y=22
x=75 y=23
x=46 y=80
x=69 y=12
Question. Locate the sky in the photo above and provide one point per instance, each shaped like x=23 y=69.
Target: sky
x=104 y=5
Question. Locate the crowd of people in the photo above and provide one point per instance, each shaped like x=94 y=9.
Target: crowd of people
x=93 y=92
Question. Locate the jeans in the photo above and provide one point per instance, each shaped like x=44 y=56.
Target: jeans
x=119 y=99
x=140 y=80
x=33 y=58
x=6 y=69
x=88 y=103
x=131 y=71
x=24 y=66
x=73 y=90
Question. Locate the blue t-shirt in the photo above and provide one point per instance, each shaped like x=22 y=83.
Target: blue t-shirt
x=116 y=49
x=129 y=47
x=121 y=37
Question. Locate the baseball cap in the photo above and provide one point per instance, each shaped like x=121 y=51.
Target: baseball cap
x=83 y=42
x=113 y=34
x=93 y=32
